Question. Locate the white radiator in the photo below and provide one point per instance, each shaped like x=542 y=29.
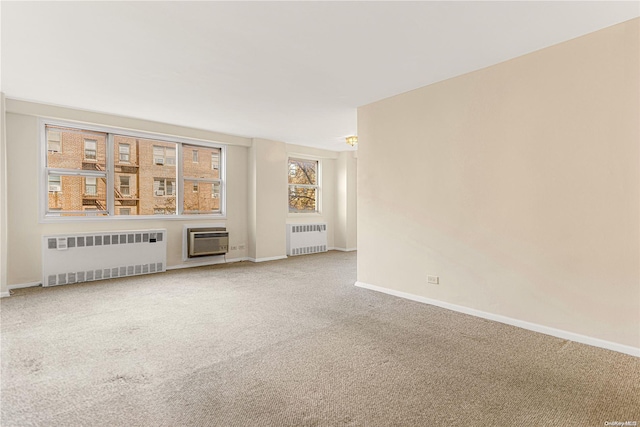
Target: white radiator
x=306 y=238
x=83 y=257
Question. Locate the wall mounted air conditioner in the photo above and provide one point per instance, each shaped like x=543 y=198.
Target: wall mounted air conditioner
x=207 y=241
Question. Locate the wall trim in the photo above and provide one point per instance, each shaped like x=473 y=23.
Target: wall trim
x=205 y=263
x=4 y=294
x=273 y=258
x=343 y=249
x=571 y=336
x=24 y=285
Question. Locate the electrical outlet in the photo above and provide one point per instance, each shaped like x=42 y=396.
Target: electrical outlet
x=234 y=248
x=433 y=280
x=241 y=247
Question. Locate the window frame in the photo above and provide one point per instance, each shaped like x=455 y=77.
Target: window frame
x=318 y=186
x=50 y=216
x=120 y=153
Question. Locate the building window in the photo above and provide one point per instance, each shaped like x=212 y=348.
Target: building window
x=54 y=141
x=144 y=174
x=215 y=161
x=164 y=155
x=90 y=149
x=124 y=185
x=54 y=183
x=164 y=187
x=124 y=151
x=303 y=185
x=195 y=156
x=90 y=186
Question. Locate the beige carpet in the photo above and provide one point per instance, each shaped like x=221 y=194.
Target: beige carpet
x=288 y=343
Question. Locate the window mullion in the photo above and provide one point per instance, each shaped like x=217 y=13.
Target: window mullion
x=179 y=181
x=111 y=209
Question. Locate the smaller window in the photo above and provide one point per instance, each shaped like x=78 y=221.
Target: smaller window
x=303 y=185
x=159 y=211
x=90 y=149
x=195 y=187
x=215 y=190
x=90 y=186
x=124 y=150
x=54 y=141
x=195 y=156
x=54 y=183
x=124 y=185
x=125 y=211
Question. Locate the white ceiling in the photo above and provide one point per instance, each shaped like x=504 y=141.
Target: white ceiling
x=288 y=71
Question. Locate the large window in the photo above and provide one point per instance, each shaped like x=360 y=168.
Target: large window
x=303 y=185
x=114 y=173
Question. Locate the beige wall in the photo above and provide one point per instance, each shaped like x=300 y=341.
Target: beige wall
x=517 y=184
x=256 y=192
x=269 y=173
x=346 y=220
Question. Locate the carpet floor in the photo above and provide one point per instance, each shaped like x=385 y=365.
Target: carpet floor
x=288 y=343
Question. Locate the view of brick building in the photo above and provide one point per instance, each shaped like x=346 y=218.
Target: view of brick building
x=144 y=175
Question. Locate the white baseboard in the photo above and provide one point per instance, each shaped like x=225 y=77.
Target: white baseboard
x=596 y=342
x=273 y=258
x=343 y=249
x=204 y=263
x=19 y=286
x=24 y=285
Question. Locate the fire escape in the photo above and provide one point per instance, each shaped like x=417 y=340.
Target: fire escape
x=120 y=199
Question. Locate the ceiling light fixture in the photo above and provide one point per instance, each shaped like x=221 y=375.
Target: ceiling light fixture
x=352 y=140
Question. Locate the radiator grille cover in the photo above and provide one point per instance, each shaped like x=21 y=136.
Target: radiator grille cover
x=305 y=239
x=85 y=257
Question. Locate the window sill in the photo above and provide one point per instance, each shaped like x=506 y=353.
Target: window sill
x=303 y=214
x=76 y=219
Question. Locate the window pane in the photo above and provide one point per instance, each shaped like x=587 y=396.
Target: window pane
x=77 y=193
x=302 y=199
x=303 y=172
x=75 y=149
x=146 y=184
x=203 y=169
x=205 y=200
